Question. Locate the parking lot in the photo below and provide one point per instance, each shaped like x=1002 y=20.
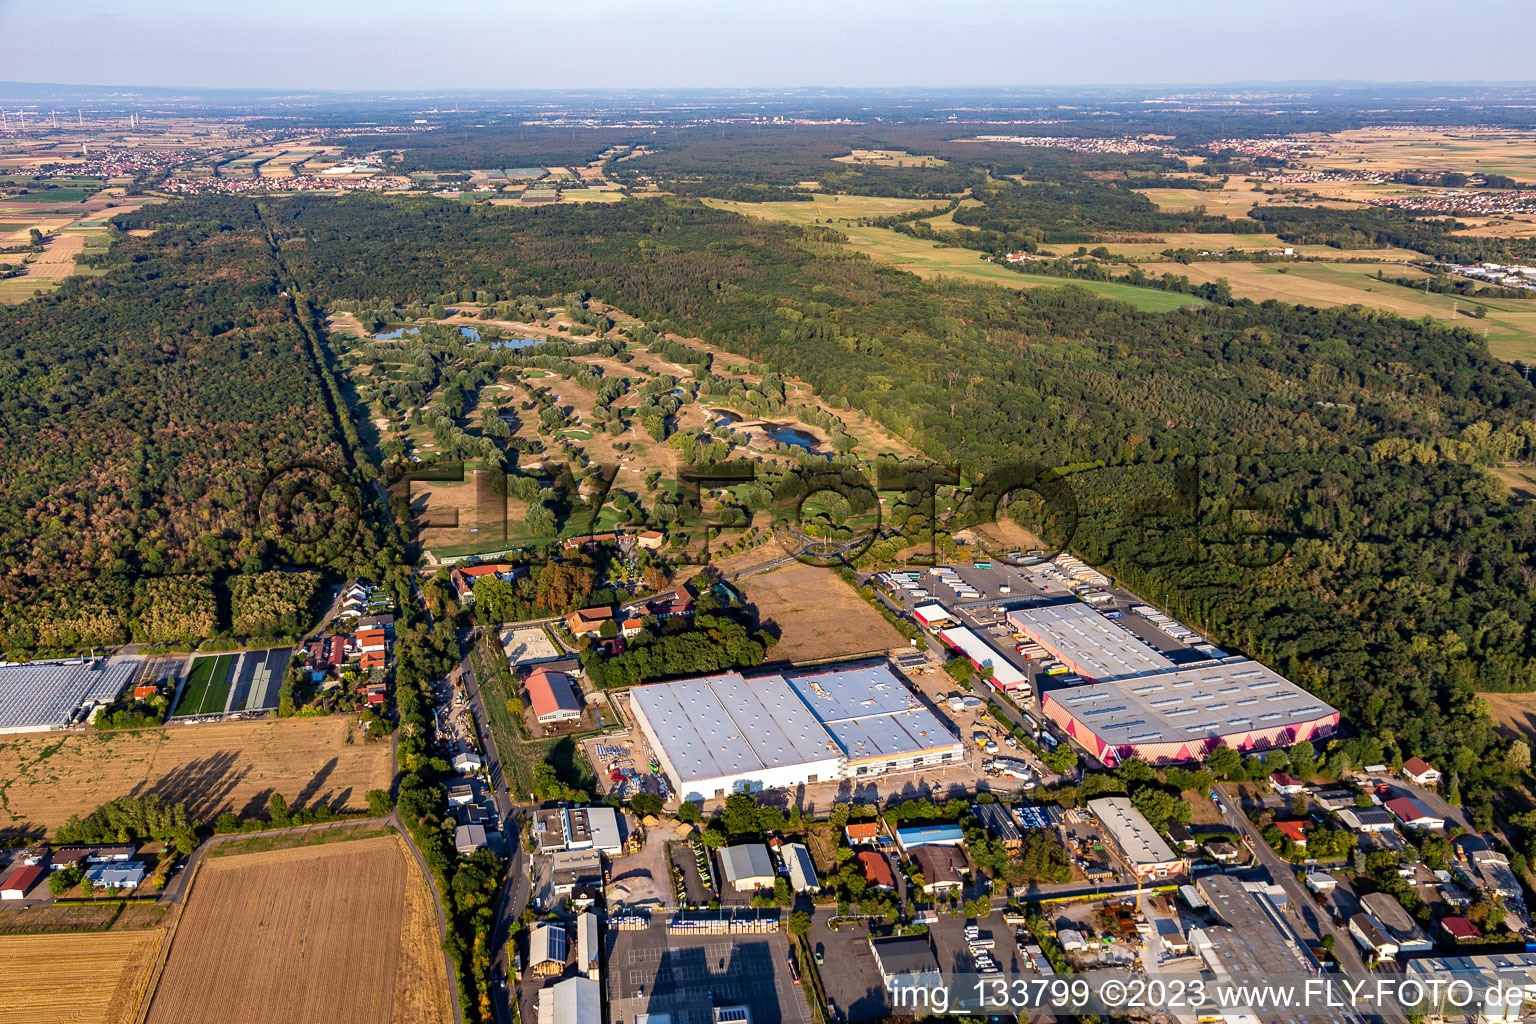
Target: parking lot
x=848 y=972
x=687 y=976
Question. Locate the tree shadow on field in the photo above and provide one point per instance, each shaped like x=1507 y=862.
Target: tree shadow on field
x=205 y=785
x=22 y=833
x=307 y=794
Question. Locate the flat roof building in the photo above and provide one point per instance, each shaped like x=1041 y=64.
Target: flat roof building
x=1093 y=646
x=469 y=838
x=725 y=734
x=929 y=835
x=1143 y=849
x=982 y=655
x=1184 y=713
x=906 y=962
x=747 y=867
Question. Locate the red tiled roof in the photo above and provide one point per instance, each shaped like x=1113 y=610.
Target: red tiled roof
x=1460 y=927
x=1295 y=831
x=1416 y=766
x=864 y=831
x=551 y=693
x=876 y=870
x=1408 y=809
x=484 y=570
x=1283 y=780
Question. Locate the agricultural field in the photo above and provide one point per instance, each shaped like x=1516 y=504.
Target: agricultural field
x=819 y=615
x=1515 y=712
x=213 y=768
x=1511 y=153
x=348 y=928
x=1150 y=246
x=889 y=158
x=1234 y=200
x=1510 y=324
x=930 y=260
x=207 y=686
x=99 y=977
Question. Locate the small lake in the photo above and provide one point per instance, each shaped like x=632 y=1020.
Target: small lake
x=398 y=332
x=786 y=434
x=514 y=343
x=470 y=333
x=725 y=417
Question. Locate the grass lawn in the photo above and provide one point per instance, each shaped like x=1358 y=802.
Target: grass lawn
x=52 y=195
x=207 y=683
x=196 y=687
x=219 y=686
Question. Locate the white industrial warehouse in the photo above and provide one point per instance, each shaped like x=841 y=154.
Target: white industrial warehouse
x=726 y=734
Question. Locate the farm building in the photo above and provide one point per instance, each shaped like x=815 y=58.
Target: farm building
x=21 y=881
x=1096 y=648
x=1143 y=850
x=547 y=949
x=552 y=697
x=981 y=655
x=747 y=867
x=50 y=695
x=727 y=734
x=802 y=872
x=929 y=835
x=1184 y=713
x=572 y=1001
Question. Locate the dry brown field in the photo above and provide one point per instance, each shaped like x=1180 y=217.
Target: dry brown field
x=1514 y=711
x=1235 y=200
x=329 y=933
x=819 y=615
x=890 y=158
x=213 y=768
x=96 y=976
x=1521 y=480
x=1511 y=153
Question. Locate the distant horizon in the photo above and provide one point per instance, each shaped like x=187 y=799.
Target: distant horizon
x=373 y=46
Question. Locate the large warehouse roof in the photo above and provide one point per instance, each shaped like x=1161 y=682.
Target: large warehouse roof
x=1097 y=647
x=1237 y=700
x=725 y=725
x=46 y=695
x=871 y=714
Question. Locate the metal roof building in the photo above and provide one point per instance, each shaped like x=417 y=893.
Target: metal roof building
x=1144 y=850
x=724 y=734
x=1182 y=714
x=1393 y=921
x=47 y=695
x=1093 y=646
x=802 y=872
x=572 y=1001
x=747 y=867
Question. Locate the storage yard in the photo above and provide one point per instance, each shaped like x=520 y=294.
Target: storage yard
x=51 y=695
x=305 y=934
x=723 y=734
x=216 y=767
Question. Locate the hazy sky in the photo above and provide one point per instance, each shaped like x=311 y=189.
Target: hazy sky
x=385 y=44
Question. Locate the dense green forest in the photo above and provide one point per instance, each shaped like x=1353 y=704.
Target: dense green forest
x=141 y=408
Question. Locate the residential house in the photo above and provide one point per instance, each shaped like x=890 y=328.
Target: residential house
x=943 y=868
x=650 y=540
x=117 y=875
x=877 y=870
x=373 y=694
x=587 y=621
x=1295 y=831
x=1223 y=852
x=865 y=833
x=464 y=578
x=673 y=603
x=145 y=692
x=1285 y=785
x=1370 y=938
x=588 y=540
x=1334 y=800
x=552 y=697
x=1419 y=772
x=461 y=793
x=631 y=628
x=1414 y=814
x=384 y=622
x=372 y=640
